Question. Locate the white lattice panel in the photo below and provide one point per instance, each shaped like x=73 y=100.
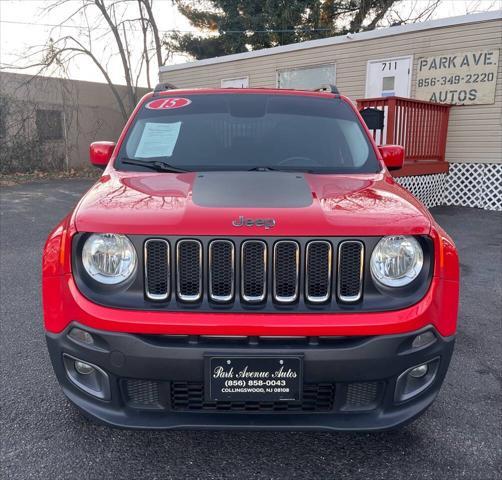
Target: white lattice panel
x=429 y=189
x=492 y=187
x=467 y=184
x=464 y=185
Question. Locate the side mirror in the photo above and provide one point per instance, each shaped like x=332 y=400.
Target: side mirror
x=393 y=156
x=100 y=153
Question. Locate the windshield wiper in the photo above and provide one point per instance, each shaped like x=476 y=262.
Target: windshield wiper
x=267 y=169
x=272 y=169
x=157 y=165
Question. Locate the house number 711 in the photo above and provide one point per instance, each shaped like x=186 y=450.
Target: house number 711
x=389 y=66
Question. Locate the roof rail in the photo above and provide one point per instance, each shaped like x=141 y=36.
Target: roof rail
x=162 y=87
x=328 y=88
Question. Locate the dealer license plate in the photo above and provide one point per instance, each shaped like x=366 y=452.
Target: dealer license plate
x=260 y=379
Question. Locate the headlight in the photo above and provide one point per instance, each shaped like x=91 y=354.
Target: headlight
x=109 y=258
x=396 y=261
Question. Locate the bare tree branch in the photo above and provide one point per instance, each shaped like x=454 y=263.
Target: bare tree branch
x=417 y=12
x=151 y=17
x=82 y=49
x=144 y=29
x=123 y=56
x=105 y=22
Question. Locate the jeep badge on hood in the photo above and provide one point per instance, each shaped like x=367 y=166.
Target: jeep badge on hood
x=250 y=222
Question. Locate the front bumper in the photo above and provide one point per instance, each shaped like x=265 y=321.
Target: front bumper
x=157 y=381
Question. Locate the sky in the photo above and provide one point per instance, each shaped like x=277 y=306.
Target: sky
x=24 y=26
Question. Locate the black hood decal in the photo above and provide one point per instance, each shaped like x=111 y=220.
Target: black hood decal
x=251 y=190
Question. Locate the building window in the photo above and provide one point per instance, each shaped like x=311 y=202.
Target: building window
x=49 y=124
x=307 y=78
x=388 y=86
x=242 y=82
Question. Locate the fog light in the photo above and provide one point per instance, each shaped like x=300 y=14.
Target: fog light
x=81 y=336
x=83 y=368
x=415 y=380
x=419 y=372
x=423 y=339
x=90 y=378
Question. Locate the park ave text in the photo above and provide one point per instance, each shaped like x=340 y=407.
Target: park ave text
x=220 y=372
x=454 y=61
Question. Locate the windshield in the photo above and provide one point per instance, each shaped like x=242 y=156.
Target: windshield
x=228 y=132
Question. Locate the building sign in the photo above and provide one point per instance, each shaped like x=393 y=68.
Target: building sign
x=466 y=78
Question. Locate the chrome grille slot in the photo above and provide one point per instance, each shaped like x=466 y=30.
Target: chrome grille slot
x=286 y=271
x=189 y=270
x=318 y=268
x=254 y=271
x=221 y=270
x=350 y=271
x=157 y=269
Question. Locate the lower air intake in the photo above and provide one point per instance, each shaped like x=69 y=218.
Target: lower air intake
x=189 y=396
x=142 y=393
x=361 y=396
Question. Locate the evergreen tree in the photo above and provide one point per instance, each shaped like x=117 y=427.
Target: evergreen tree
x=234 y=26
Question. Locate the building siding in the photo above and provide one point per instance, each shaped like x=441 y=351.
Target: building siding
x=475 y=132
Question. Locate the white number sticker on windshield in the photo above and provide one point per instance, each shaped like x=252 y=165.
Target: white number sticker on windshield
x=168 y=103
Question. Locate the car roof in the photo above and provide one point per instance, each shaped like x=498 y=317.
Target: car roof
x=246 y=91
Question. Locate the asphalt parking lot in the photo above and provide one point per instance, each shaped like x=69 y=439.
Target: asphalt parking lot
x=43 y=436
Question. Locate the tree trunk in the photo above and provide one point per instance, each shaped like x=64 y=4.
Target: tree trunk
x=123 y=56
x=144 y=29
x=155 y=30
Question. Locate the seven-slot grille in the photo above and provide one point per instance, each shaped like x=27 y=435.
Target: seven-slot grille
x=240 y=271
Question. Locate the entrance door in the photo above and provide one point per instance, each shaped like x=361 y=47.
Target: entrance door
x=389 y=77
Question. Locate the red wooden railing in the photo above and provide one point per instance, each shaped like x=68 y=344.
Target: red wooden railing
x=420 y=127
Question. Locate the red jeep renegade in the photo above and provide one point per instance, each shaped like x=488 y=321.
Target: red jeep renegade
x=247 y=261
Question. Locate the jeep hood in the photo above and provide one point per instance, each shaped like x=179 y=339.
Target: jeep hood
x=207 y=203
